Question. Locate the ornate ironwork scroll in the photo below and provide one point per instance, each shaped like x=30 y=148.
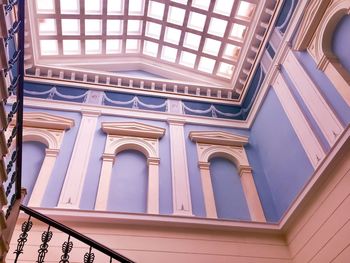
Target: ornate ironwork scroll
x=67 y=247
x=89 y=257
x=26 y=226
x=45 y=238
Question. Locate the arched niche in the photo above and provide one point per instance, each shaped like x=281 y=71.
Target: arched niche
x=130 y=136
x=49 y=130
x=211 y=144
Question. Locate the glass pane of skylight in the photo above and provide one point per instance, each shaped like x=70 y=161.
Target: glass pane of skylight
x=153 y=30
x=217 y=27
x=48 y=47
x=150 y=48
x=181 y=1
x=223 y=7
x=70 y=27
x=156 y=10
x=202 y=4
x=70 y=7
x=176 y=15
x=192 y=41
x=211 y=46
x=45 y=6
x=93 y=46
x=169 y=53
x=172 y=35
x=136 y=7
x=225 y=70
x=93 y=27
x=187 y=59
x=245 y=10
x=71 y=47
x=134 y=27
x=206 y=65
x=238 y=31
x=113 y=46
x=93 y=7
x=114 y=27
x=115 y=7
x=231 y=51
x=196 y=21
x=132 y=45
x=47 y=27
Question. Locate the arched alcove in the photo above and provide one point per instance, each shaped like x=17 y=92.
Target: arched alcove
x=129 y=182
x=340 y=42
x=33 y=157
x=228 y=192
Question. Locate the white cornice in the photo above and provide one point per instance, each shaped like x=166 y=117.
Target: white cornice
x=218 y=138
x=135 y=129
x=46 y=121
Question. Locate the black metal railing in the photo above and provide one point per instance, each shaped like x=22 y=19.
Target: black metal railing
x=67 y=246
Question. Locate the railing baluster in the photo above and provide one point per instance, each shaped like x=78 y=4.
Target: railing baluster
x=12 y=88
x=9 y=186
x=12 y=31
x=67 y=247
x=89 y=257
x=12 y=61
x=11 y=203
x=12 y=136
x=45 y=238
x=10 y=5
x=11 y=162
x=12 y=112
x=26 y=226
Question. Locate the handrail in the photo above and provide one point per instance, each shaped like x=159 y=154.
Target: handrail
x=90 y=242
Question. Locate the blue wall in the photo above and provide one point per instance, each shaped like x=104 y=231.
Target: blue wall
x=128 y=188
x=341 y=39
x=283 y=159
x=33 y=156
x=228 y=193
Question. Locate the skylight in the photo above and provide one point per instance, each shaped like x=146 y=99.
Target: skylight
x=71 y=47
x=169 y=54
x=223 y=7
x=47 y=26
x=93 y=7
x=156 y=10
x=176 y=15
x=134 y=27
x=202 y=4
x=136 y=7
x=48 y=47
x=245 y=10
x=115 y=7
x=45 y=6
x=93 y=46
x=192 y=41
x=238 y=31
x=187 y=59
x=231 y=51
x=217 y=27
x=70 y=6
x=211 y=46
x=153 y=30
x=93 y=27
x=172 y=35
x=114 y=27
x=150 y=48
x=132 y=45
x=113 y=46
x=196 y=21
x=225 y=70
x=70 y=27
x=206 y=65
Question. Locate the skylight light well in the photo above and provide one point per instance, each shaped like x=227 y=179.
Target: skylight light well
x=114 y=27
x=212 y=46
x=192 y=41
x=217 y=27
x=169 y=54
x=48 y=47
x=153 y=30
x=206 y=65
x=70 y=7
x=223 y=7
x=71 y=47
x=93 y=7
x=238 y=31
x=134 y=27
x=132 y=45
x=196 y=21
x=45 y=6
x=93 y=27
x=225 y=70
x=70 y=27
x=187 y=59
x=115 y=7
x=136 y=7
x=202 y=4
x=150 y=48
x=156 y=10
x=231 y=52
x=47 y=27
x=176 y=15
x=113 y=46
x=93 y=46
x=245 y=10
x=172 y=35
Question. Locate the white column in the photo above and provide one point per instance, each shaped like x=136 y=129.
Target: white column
x=43 y=178
x=251 y=194
x=76 y=173
x=153 y=186
x=180 y=180
x=208 y=193
x=301 y=126
x=105 y=181
x=314 y=101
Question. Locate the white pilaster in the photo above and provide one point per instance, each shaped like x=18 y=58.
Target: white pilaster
x=180 y=179
x=43 y=178
x=301 y=127
x=208 y=192
x=153 y=186
x=317 y=105
x=104 y=183
x=75 y=177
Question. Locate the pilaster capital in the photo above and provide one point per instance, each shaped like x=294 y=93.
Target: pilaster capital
x=245 y=169
x=51 y=152
x=203 y=165
x=176 y=121
x=153 y=161
x=90 y=113
x=108 y=157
